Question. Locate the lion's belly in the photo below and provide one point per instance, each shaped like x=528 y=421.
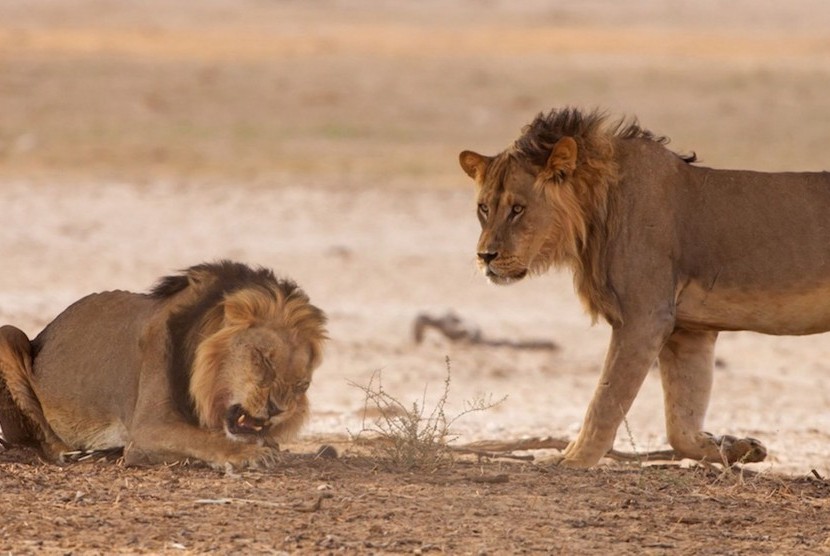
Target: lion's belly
x=797 y=312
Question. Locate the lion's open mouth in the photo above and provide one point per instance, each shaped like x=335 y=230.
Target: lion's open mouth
x=240 y=421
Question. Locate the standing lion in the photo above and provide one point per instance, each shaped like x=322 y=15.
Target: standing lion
x=213 y=364
x=667 y=252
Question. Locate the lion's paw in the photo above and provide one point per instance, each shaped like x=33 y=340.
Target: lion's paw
x=551 y=460
x=254 y=457
x=57 y=452
x=573 y=463
x=738 y=450
x=564 y=460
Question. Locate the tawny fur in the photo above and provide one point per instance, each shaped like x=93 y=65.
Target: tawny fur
x=168 y=374
x=667 y=252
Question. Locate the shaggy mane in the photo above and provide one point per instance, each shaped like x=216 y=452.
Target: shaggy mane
x=202 y=315
x=232 y=275
x=582 y=204
x=540 y=135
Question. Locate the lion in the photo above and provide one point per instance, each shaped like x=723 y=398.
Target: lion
x=667 y=251
x=212 y=365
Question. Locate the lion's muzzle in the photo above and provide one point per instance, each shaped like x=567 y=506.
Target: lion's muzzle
x=499 y=269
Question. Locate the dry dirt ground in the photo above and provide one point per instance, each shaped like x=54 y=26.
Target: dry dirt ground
x=357 y=505
x=320 y=139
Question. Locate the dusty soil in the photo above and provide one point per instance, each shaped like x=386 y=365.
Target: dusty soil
x=320 y=139
x=357 y=505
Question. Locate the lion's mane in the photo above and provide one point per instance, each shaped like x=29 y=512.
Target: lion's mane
x=226 y=298
x=581 y=206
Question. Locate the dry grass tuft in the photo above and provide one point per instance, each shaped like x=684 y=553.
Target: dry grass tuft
x=411 y=436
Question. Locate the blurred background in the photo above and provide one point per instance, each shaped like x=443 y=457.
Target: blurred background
x=374 y=91
x=320 y=137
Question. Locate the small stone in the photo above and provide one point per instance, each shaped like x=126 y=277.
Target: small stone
x=326 y=451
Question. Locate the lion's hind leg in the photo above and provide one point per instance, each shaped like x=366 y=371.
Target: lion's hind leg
x=686 y=368
x=15 y=359
x=21 y=416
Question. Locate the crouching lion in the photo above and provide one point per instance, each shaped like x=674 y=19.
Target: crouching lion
x=669 y=253
x=213 y=364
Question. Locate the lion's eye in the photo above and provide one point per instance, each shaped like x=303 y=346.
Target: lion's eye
x=517 y=210
x=301 y=387
x=483 y=209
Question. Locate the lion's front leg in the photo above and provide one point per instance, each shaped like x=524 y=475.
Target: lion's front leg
x=174 y=440
x=634 y=347
x=158 y=433
x=686 y=368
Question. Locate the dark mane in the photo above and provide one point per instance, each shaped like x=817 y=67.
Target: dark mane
x=540 y=135
x=185 y=326
x=231 y=275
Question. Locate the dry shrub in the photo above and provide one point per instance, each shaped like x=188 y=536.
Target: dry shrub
x=410 y=436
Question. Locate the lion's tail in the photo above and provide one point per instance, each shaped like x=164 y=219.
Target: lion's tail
x=20 y=412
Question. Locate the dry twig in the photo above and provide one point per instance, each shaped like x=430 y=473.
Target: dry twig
x=457 y=330
x=550 y=443
x=297 y=507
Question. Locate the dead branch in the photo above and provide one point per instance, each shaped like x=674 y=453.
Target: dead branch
x=457 y=330
x=297 y=507
x=229 y=501
x=489 y=479
x=490 y=455
x=550 y=443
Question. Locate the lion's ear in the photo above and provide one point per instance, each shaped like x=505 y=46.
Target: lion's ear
x=562 y=160
x=200 y=277
x=474 y=164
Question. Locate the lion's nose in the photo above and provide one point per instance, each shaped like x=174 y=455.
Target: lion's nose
x=487 y=257
x=273 y=408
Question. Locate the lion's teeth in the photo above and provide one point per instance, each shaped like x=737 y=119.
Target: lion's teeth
x=245 y=421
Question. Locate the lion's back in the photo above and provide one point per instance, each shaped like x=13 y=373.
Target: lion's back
x=99 y=321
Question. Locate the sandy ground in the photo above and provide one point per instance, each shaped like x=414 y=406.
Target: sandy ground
x=320 y=139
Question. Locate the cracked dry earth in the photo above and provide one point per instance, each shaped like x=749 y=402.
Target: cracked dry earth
x=359 y=504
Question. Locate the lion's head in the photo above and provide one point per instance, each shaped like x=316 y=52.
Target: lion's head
x=537 y=199
x=518 y=234
x=544 y=201
x=251 y=343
